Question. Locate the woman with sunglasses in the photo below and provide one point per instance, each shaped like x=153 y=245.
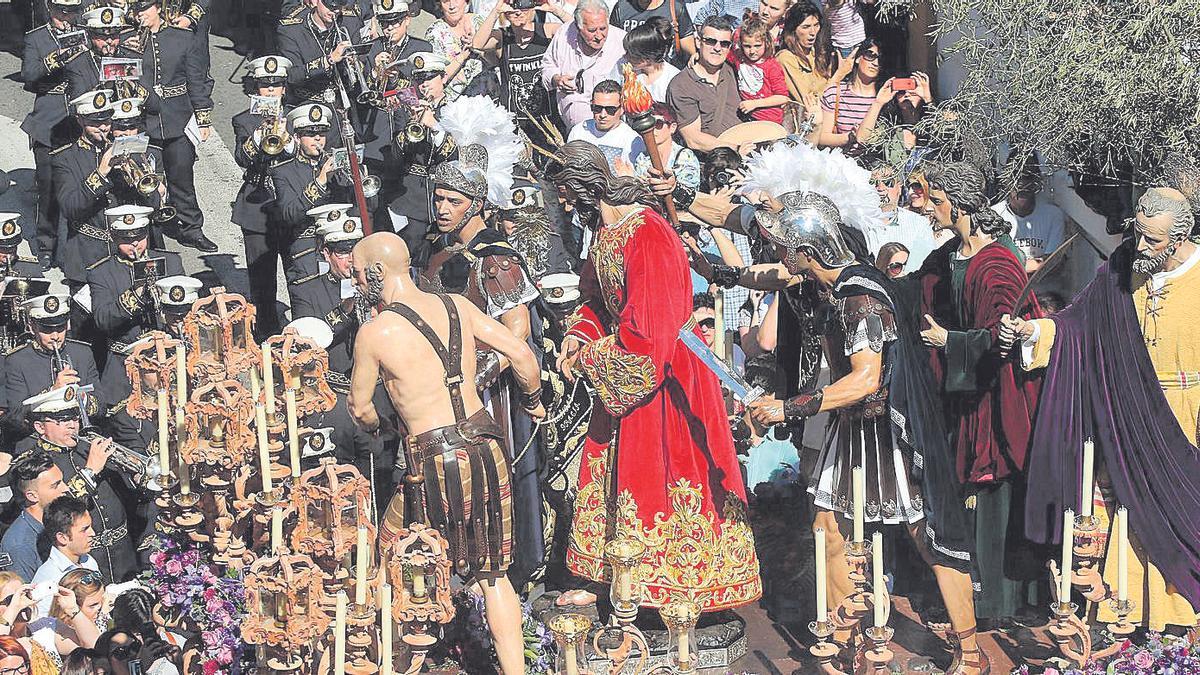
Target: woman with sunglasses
x=75 y=615
x=892 y=259
x=852 y=106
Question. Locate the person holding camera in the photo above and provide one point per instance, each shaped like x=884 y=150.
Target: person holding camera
x=76 y=612
x=133 y=613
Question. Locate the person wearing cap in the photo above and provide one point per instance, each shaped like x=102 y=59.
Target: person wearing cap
x=50 y=359
x=87 y=474
x=253 y=208
x=12 y=263
x=82 y=175
x=529 y=227
x=330 y=296
x=124 y=306
x=175 y=72
x=315 y=36
x=176 y=295
x=400 y=159
x=48 y=125
x=304 y=182
x=104 y=26
x=128 y=119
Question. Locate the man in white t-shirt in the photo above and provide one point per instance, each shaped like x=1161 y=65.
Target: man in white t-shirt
x=1038 y=227
x=899 y=225
x=607 y=129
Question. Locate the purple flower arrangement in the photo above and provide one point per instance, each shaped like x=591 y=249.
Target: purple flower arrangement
x=1160 y=655
x=205 y=599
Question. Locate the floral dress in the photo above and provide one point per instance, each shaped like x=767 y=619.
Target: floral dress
x=446 y=43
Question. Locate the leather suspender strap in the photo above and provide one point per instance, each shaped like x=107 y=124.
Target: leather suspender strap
x=451 y=357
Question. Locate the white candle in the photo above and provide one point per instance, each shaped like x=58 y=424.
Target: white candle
x=264 y=450
x=569 y=657
x=1068 y=552
x=879 y=583
x=268 y=378
x=339 y=636
x=255 y=388
x=185 y=474
x=1089 y=463
x=181 y=372
x=164 y=425
x=360 y=569
x=1122 y=554
x=685 y=648
x=822 y=601
x=276 y=530
x=625 y=585
x=293 y=432
x=860 y=490
x=385 y=639
x=418 y=582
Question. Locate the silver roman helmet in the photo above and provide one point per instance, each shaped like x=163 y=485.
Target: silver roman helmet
x=807 y=221
x=466 y=175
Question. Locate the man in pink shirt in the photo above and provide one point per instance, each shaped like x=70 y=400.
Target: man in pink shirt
x=580 y=56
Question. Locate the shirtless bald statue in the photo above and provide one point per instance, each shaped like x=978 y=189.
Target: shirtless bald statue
x=417 y=340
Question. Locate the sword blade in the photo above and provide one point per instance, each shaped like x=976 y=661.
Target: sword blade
x=734 y=382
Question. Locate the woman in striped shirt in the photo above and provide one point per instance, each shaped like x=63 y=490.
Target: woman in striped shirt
x=852 y=106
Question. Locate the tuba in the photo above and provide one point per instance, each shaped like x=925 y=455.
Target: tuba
x=142 y=469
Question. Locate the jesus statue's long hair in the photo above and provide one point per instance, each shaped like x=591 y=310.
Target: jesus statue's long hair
x=580 y=167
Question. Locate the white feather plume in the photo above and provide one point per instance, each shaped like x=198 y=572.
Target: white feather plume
x=480 y=120
x=791 y=167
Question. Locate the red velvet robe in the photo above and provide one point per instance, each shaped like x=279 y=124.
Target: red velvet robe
x=991 y=403
x=658 y=463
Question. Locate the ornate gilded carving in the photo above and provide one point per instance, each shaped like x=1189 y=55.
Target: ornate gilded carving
x=622 y=379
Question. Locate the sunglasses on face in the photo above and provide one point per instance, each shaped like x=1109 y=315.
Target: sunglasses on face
x=714 y=42
x=896 y=266
x=92 y=578
x=272 y=82
x=391 y=21
x=609 y=109
x=710 y=324
x=309 y=133
x=126 y=652
x=870 y=56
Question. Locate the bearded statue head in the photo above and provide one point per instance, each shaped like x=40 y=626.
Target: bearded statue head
x=1163 y=220
x=581 y=171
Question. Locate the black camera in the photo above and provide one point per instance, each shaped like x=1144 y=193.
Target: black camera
x=523 y=4
x=722 y=178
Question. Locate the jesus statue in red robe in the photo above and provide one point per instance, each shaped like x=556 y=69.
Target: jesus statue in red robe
x=659 y=463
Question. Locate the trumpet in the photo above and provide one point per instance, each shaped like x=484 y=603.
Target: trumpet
x=164 y=214
x=143 y=469
x=274 y=136
x=140 y=175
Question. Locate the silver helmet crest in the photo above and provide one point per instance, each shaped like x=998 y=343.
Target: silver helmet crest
x=468 y=175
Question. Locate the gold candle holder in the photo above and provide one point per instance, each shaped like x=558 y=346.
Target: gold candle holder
x=879 y=656
x=624 y=554
x=570 y=631
x=680 y=616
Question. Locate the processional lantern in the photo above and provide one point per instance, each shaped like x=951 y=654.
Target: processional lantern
x=301 y=365
x=418 y=567
x=285 y=617
x=331 y=503
x=220 y=329
x=151 y=368
x=219 y=436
